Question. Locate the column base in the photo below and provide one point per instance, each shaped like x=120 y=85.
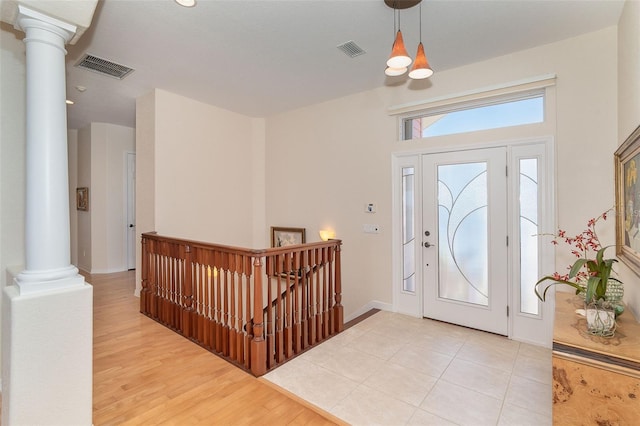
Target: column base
x=53 y=279
x=47 y=347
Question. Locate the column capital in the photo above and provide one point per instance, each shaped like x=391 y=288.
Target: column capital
x=76 y=13
x=29 y=18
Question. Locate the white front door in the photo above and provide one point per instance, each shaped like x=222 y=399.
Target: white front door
x=464 y=238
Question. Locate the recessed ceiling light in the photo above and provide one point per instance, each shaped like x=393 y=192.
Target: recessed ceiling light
x=186 y=3
x=81 y=88
x=69 y=102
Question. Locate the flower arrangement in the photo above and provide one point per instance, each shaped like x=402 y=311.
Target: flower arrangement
x=591 y=272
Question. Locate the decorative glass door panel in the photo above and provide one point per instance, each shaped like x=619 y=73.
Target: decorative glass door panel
x=462 y=232
x=464 y=240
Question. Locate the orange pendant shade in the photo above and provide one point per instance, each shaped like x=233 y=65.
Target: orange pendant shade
x=421 y=68
x=399 y=57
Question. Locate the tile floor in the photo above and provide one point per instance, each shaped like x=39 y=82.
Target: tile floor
x=391 y=369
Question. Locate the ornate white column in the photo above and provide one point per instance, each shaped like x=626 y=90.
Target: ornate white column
x=47 y=211
x=47 y=316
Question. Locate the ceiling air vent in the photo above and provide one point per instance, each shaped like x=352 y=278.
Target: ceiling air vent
x=351 y=49
x=102 y=66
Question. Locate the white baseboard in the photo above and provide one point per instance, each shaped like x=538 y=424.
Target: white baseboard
x=106 y=271
x=374 y=304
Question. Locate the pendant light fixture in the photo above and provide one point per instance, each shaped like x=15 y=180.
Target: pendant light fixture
x=421 y=68
x=399 y=60
x=399 y=57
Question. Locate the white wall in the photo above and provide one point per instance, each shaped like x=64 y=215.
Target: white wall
x=12 y=151
x=629 y=112
x=340 y=154
x=145 y=173
x=203 y=171
x=83 y=218
x=72 y=143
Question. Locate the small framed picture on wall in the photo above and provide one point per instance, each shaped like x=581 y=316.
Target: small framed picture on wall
x=82 y=198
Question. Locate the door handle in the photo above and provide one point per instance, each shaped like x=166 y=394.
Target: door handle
x=427 y=244
x=131 y=225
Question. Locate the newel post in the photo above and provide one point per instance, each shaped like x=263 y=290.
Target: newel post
x=144 y=292
x=258 y=344
x=338 y=308
x=187 y=293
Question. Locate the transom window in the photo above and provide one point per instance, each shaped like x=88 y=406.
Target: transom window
x=474 y=116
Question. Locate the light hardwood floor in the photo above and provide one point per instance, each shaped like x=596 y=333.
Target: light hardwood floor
x=147 y=374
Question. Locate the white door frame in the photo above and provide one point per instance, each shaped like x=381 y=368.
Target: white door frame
x=412 y=303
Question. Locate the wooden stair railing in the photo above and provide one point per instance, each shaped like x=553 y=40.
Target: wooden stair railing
x=256 y=308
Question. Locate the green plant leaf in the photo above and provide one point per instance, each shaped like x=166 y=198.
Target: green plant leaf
x=543 y=296
x=576 y=267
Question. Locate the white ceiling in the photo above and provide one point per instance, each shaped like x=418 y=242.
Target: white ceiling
x=259 y=58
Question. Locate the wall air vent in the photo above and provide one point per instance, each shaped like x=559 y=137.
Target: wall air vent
x=103 y=66
x=351 y=49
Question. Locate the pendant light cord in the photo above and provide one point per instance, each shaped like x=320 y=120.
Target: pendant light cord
x=420 y=22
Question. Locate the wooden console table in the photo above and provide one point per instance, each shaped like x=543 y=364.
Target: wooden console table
x=596 y=380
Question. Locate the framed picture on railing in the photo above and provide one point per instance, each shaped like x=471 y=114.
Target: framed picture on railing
x=282 y=237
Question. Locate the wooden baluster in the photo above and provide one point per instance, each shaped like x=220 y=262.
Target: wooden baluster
x=312 y=305
x=150 y=278
x=248 y=322
x=338 y=308
x=173 y=283
x=170 y=282
x=163 y=284
x=172 y=288
x=204 y=293
x=144 y=279
x=318 y=311
x=297 y=326
x=288 y=314
x=159 y=284
x=187 y=294
x=202 y=302
x=268 y=313
x=240 y=341
x=232 y=302
x=179 y=273
x=218 y=327
x=225 y=308
x=279 y=313
x=326 y=293
x=331 y=299
x=305 y=299
x=258 y=344
x=153 y=280
x=207 y=282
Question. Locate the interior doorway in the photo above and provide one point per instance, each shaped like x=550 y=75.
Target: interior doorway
x=131 y=211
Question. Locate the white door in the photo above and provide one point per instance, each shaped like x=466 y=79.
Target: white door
x=464 y=238
x=131 y=211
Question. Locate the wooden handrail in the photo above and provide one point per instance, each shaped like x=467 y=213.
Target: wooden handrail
x=244 y=304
